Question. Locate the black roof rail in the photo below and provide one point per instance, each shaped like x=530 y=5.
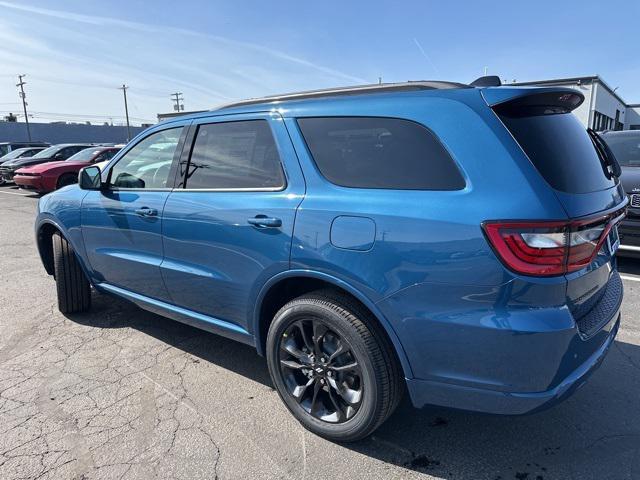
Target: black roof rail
x=487 y=81
x=354 y=90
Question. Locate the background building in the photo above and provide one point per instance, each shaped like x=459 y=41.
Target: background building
x=65 y=132
x=602 y=109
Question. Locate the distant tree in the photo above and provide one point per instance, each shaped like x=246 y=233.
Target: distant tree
x=11 y=118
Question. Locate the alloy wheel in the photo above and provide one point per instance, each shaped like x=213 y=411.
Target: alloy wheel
x=320 y=371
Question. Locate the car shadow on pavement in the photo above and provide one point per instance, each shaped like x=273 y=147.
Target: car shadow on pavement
x=594 y=434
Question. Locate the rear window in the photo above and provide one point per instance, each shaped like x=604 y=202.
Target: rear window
x=560 y=148
x=385 y=153
x=625 y=147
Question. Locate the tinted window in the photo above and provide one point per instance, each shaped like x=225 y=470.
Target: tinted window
x=235 y=155
x=148 y=163
x=560 y=148
x=367 y=152
x=626 y=148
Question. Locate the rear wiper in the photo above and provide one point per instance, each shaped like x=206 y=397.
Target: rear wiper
x=610 y=163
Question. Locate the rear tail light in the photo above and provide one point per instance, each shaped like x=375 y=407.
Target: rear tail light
x=549 y=248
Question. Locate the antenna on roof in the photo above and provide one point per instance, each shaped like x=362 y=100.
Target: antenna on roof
x=487 y=81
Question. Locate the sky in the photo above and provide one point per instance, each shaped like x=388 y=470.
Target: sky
x=76 y=54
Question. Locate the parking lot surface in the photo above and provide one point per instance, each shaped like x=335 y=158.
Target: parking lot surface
x=120 y=393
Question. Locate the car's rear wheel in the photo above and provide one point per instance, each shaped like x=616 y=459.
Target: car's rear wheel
x=332 y=367
x=74 y=292
x=66 y=179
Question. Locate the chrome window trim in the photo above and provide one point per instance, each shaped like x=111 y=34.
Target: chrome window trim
x=248 y=189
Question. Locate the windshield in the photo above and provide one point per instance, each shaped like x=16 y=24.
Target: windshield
x=48 y=152
x=626 y=148
x=84 y=155
x=14 y=154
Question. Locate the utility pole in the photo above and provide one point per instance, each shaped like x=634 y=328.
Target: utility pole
x=177 y=97
x=21 y=84
x=126 y=109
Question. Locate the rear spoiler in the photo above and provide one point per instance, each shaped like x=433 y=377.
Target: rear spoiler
x=513 y=98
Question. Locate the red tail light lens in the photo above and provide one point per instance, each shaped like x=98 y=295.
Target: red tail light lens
x=549 y=248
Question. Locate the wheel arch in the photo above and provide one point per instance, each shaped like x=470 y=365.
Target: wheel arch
x=285 y=286
x=45 y=230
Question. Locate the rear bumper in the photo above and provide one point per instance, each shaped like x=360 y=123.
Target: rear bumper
x=510 y=349
x=424 y=392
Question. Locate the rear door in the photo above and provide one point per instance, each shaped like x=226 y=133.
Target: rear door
x=122 y=224
x=227 y=228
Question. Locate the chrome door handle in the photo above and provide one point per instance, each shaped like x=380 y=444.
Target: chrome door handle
x=262 y=221
x=147 y=212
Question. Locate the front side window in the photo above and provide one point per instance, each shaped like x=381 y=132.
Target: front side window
x=383 y=153
x=235 y=155
x=148 y=163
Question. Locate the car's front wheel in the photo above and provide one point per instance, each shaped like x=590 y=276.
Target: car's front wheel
x=332 y=367
x=74 y=292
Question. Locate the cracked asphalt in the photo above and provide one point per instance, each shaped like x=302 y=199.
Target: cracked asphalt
x=120 y=393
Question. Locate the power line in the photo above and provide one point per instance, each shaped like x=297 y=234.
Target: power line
x=77 y=116
x=21 y=84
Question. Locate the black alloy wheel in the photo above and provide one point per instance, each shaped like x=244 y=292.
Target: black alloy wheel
x=320 y=371
x=333 y=365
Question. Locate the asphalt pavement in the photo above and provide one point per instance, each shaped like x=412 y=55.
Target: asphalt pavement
x=120 y=393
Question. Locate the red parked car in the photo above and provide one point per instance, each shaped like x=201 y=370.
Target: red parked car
x=50 y=176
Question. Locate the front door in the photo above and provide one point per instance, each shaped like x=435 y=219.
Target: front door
x=228 y=229
x=121 y=224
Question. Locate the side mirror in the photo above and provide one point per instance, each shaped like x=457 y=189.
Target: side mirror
x=89 y=178
x=58 y=156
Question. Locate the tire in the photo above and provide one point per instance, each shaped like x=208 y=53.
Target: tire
x=66 y=179
x=74 y=292
x=357 y=383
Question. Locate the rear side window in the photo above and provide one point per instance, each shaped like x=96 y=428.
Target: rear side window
x=385 y=153
x=235 y=155
x=559 y=147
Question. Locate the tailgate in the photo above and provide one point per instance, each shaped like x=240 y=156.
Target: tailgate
x=583 y=177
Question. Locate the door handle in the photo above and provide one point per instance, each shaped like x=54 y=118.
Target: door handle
x=262 y=221
x=147 y=212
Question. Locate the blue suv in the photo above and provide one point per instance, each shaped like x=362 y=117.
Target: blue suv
x=455 y=241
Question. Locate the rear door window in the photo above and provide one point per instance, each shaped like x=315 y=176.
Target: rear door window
x=559 y=147
x=383 y=153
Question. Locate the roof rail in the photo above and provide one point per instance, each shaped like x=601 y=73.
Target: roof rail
x=355 y=90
